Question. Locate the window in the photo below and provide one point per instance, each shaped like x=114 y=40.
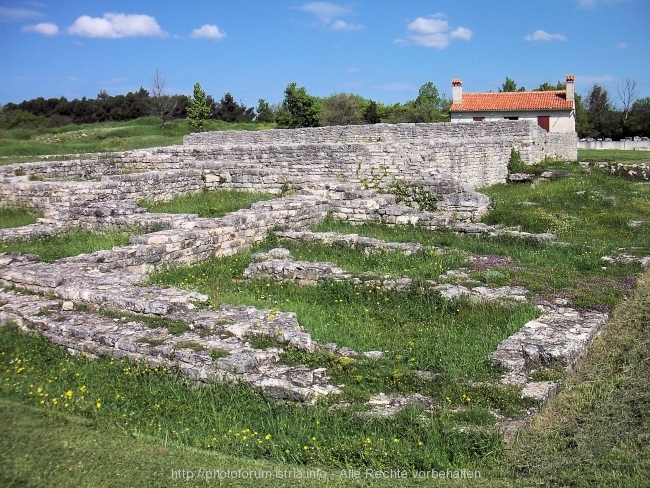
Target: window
x=478 y=119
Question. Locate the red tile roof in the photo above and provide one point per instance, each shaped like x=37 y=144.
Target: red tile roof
x=538 y=100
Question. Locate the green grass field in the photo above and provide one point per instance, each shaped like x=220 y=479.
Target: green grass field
x=595 y=433
x=24 y=145
x=598 y=155
x=70 y=421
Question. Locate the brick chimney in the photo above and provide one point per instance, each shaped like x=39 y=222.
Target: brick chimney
x=457 y=90
x=570 y=90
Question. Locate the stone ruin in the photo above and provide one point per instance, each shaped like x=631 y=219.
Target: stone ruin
x=347 y=172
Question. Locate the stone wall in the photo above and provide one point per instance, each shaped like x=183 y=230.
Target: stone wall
x=362 y=133
x=473 y=154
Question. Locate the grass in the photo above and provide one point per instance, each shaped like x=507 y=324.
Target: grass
x=595 y=433
x=416 y=328
x=225 y=418
x=208 y=203
x=70 y=244
x=613 y=155
x=17 y=217
x=24 y=145
x=571 y=272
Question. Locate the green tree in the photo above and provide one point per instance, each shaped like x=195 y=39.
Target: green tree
x=583 y=125
x=229 y=110
x=639 y=118
x=265 y=113
x=600 y=113
x=546 y=86
x=429 y=95
x=508 y=86
x=299 y=109
x=198 y=110
x=342 y=109
x=371 y=113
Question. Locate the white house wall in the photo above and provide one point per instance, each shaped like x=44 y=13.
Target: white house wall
x=559 y=121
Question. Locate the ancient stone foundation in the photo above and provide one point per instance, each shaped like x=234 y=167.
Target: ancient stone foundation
x=348 y=172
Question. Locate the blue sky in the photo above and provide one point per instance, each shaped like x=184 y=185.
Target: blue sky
x=380 y=49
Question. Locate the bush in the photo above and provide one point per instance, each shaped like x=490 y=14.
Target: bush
x=516 y=164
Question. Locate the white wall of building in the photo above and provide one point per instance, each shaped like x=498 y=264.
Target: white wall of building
x=559 y=120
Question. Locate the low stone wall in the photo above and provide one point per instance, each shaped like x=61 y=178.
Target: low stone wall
x=638 y=143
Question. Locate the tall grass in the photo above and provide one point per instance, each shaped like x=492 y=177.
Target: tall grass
x=208 y=203
x=231 y=419
x=69 y=244
x=17 y=217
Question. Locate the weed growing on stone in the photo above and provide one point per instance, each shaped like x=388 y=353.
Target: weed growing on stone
x=175 y=327
x=549 y=270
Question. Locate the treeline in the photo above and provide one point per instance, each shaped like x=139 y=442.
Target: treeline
x=596 y=114
x=56 y=112
x=598 y=117
x=298 y=109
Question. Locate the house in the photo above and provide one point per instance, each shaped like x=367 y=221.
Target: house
x=554 y=110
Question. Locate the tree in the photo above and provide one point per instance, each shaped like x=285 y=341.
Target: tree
x=198 y=110
x=583 y=125
x=430 y=106
x=627 y=95
x=229 y=110
x=508 y=86
x=265 y=113
x=601 y=115
x=162 y=105
x=298 y=109
x=546 y=86
x=639 y=120
x=341 y=109
x=370 y=113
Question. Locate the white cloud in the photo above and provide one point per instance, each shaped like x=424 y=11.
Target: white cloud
x=397 y=86
x=8 y=14
x=326 y=14
x=46 y=28
x=114 y=26
x=325 y=11
x=540 y=35
x=353 y=70
x=208 y=32
x=461 y=33
x=621 y=45
x=433 y=32
x=344 y=26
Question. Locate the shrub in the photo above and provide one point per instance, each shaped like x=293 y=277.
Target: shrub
x=516 y=164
